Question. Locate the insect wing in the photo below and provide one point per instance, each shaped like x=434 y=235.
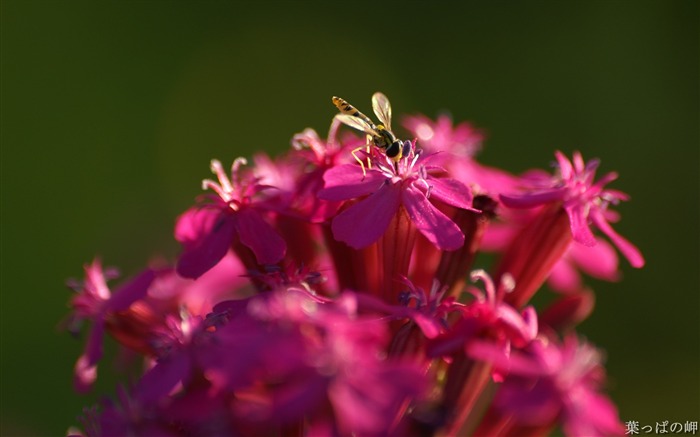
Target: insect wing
x=356 y=123
x=382 y=108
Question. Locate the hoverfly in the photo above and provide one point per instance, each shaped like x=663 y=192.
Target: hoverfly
x=379 y=135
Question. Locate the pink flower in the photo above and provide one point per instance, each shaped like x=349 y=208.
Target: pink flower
x=408 y=184
x=441 y=136
x=426 y=311
x=567 y=311
x=549 y=382
x=223 y=281
x=95 y=302
x=295 y=189
x=207 y=232
x=291 y=353
x=315 y=298
x=586 y=202
x=488 y=317
x=599 y=261
x=459 y=145
x=175 y=345
x=125 y=415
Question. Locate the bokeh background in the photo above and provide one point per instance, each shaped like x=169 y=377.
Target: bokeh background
x=111 y=112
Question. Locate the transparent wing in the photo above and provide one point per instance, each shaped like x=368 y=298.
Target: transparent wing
x=382 y=108
x=356 y=123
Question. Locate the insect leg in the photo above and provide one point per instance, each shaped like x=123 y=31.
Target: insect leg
x=359 y=161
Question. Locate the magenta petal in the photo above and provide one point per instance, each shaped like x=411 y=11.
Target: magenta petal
x=86 y=366
x=579 y=225
x=85 y=375
x=434 y=225
x=206 y=235
x=629 y=250
x=132 y=291
x=347 y=182
x=564 y=277
x=533 y=199
x=516 y=363
x=497 y=236
x=296 y=398
x=593 y=415
x=428 y=325
x=193 y=223
x=433 y=160
x=451 y=192
x=525 y=325
x=568 y=310
x=367 y=399
x=531 y=323
x=566 y=170
x=488 y=351
x=93 y=347
x=164 y=376
x=260 y=237
x=531 y=405
x=363 y=223
x=463 y=333
x=599 y=261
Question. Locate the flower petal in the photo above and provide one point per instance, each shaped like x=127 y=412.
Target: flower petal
x=566 y=170
x=530 y=200
x=629 y=250
x=298 y=397
x=523 y=326
x=599 y=261
x=93 y=346
x=85 y=375
x=564 y=277
x=206 y=235
x=85 y=371
x=433 y=224
x=164 y=376
x=593 y=415
x=568 y=310
x=347 y=182
x=364 y=222
x=515 y=362
x=132 y=291
x=260 y=237
x=452 y=192
x=579 y=224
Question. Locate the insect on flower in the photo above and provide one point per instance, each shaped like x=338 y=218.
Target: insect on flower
x=379 y=135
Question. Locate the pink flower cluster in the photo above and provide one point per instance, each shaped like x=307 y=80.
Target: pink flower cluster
x=314 y=297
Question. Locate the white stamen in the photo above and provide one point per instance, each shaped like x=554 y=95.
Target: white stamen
x=481 y=275
x=208 y=184
x=236 y=164
x=218 y=170
x=507 y=282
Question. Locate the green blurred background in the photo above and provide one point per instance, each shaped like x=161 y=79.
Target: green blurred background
x=111 y=112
